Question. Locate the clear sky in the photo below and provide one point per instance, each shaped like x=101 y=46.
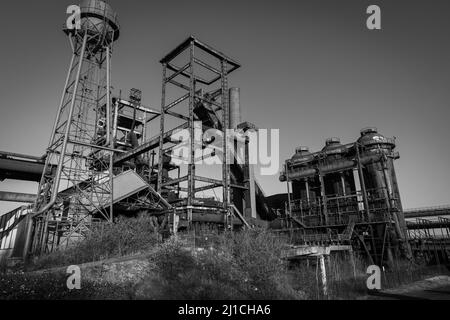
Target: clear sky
x=310 y=68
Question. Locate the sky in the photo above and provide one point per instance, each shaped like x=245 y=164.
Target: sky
x=309 y=68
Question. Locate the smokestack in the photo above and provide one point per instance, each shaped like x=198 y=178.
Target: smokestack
x=235 y=107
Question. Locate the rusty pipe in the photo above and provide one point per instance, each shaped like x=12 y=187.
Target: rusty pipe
x=324 y=169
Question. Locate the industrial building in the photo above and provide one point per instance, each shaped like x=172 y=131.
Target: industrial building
x=347 y=189
x=101 y=162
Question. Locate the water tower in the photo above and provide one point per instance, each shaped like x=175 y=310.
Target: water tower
x=77 y=182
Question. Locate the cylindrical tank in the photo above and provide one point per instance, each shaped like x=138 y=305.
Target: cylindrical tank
x=302 y=155
x=99 y=21
x=334 y=152
x=372 y=141
x=379 y=176
x=333 y=148
x=301 y=189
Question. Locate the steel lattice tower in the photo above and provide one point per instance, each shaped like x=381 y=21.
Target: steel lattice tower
x=204 y=81
x=76 y=185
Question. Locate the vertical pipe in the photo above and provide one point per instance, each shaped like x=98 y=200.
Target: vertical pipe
x=324 y=196
x=44 y=233
x=108 y=96
x=225 y=125
x=110 y=139
x=323 y=274
x=178 y=184
x=234 y=119
x=288 y=190
x=249 y=178
x=252 y=189
x=235 y=107
x=341 y=174
x=161 y=129
x=308 y=196
x=191 y=165
x=362 y=182
x=116 y=118
x=307 y=190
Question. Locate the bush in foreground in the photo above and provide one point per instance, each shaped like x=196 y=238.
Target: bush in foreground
x=107 y=240
x=243 y=265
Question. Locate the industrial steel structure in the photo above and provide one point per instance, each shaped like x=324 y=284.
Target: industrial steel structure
x=79 y=151
x=345 y=193
x=102 y=163
x=208 y=104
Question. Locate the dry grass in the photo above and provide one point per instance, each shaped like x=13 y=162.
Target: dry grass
x=239 y=265
x=126 y=236
x=244 y=265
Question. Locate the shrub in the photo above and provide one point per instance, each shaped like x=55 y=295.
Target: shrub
x=125 y=236
x=243 y=265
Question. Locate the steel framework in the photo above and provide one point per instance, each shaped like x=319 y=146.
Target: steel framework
x=77 y=179
x=210 y=92
x=373 y=214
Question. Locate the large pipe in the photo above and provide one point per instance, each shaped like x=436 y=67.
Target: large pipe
x=360 y=162
x=17 y=197
x=324 y=169
x=427 y=212
x=109 y=131
x=428 y=225
x=108 y=97
x=307 y=189
x=235 y=107
x=21 y=170
x=11 y=155
x=323 y=196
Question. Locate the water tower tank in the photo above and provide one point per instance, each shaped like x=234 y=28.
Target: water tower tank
x=99 y=21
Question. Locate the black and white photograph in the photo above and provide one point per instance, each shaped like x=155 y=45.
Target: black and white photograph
x=224 y=155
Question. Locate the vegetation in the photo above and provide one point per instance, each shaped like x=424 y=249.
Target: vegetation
x=52 y=286
x=238 y=265
x=346 y=282
x=126 y=236
x=244 y=265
